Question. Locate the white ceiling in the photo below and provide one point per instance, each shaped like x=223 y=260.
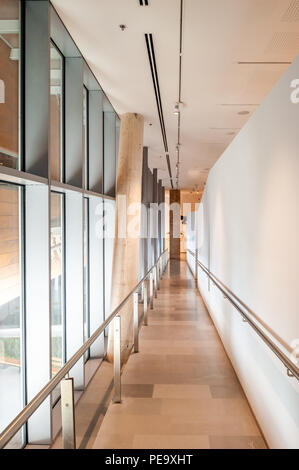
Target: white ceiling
x=217 y=34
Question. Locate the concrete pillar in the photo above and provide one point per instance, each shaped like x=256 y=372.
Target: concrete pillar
x=174 y=224
x=126 y=245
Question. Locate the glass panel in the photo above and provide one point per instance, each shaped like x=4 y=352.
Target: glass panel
x=9 y=84
x=85 y=136
x=109 y=232
x=56 y=113
x=117 y=135
x=86 y=272
x=57 y=282
x=11 y=328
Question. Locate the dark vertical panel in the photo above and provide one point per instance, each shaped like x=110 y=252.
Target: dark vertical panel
x=163 y=220
x=160 y=217
x=150 y=218
x=74 y=121
x=144 y=196
x=61 y=36
x=109 y=153
x=174 y=224
x=155 y=221
x=36 y=87
x=96 y=141
x=144 y=263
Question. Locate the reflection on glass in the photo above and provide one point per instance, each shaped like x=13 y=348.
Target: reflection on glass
x=57 y=298
x=109 y=212
x=56 y=110
x=85 y=135
x=9 y=85
x=11 y=396
x=86 y=273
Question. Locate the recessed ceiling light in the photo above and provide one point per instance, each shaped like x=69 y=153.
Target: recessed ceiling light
x=243 y=113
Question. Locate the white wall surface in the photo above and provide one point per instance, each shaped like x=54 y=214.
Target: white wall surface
x=250 y=225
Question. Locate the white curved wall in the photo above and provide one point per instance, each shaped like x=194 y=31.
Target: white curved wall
x=250 y=226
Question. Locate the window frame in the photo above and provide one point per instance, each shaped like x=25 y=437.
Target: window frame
x=22 y=317
x=62 y=113
x=63 y=290
x=86 y=281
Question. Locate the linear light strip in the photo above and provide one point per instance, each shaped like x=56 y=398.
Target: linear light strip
x=180 y=94
x=264 y=63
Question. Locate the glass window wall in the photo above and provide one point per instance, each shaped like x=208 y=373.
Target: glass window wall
x=52 y=208
x=56 y=114
x=9 y=83
x=11 y=323
x=57 y=282
x=86 y=318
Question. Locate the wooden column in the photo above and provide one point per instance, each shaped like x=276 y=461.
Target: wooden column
x=126 y=249
x=174 y=224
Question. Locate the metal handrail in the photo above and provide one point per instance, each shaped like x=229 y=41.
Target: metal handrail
x=32 y=406
x=292 y=368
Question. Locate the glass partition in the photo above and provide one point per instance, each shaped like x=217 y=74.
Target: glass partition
x=60 y=188
x=56 y=113
x=11 y=324
x=57 y=282
x=9 y=83
x=109 y=233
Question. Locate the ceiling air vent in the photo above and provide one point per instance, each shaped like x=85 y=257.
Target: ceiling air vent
x=143 y=3
x=284 y=42
x=292 y=13
x=283 y=45
x=154 y=71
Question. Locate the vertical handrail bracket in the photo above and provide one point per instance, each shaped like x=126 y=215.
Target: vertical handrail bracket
x=151 y=291
x=68 y=414
x=117 y=360
x=136 y=321
x=145 y=306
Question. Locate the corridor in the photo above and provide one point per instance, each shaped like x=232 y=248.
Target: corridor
x=180 y=390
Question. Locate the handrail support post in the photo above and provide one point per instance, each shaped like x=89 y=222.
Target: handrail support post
x=136 y=321
x=142 y=292
x=117 y=360
x=145 y=319
x=151 y=291
x=155 y=282
x=158 y=275
x=68 y=414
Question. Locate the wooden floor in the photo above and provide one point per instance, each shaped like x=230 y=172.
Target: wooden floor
x=180 y=391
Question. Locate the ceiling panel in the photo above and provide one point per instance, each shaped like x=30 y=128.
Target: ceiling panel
x=217 y=35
